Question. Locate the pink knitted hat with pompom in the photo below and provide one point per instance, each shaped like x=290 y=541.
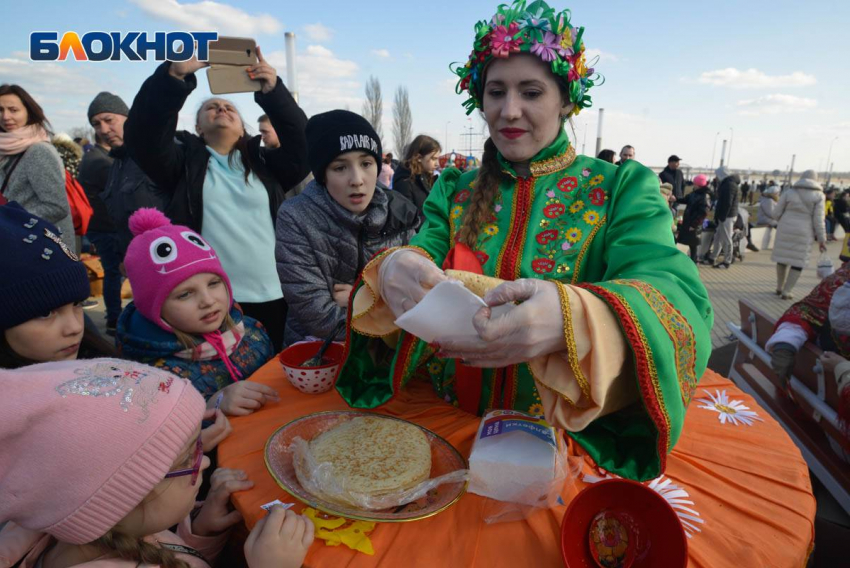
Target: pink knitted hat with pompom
x=700 y=181
x=82 y=443
x=160 y=257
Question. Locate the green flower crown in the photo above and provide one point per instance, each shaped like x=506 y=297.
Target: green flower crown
x=536 y=29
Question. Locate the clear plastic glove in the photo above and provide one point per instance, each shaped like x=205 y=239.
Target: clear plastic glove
x=532 y=329
x=782 y=360
x=405 y=277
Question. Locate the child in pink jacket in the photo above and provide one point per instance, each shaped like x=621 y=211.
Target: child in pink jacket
x=99 y=458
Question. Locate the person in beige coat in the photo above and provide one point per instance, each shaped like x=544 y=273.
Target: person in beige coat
x=800 y=217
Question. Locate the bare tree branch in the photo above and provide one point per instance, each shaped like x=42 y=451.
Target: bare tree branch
x=402 y=121
x=373 y=106
x=82 y=132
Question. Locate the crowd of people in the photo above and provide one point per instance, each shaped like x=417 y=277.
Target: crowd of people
x=801 y=214
x=236 y=246
x=174 y=213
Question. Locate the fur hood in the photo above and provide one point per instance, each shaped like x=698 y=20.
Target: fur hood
x=63 y=143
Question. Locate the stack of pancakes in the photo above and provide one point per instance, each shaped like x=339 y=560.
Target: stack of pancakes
x=368 y=457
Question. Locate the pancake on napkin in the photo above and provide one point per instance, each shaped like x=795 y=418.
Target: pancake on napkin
x=369 y=457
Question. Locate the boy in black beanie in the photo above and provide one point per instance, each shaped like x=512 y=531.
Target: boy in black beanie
x=348 y=138
x=327 y=234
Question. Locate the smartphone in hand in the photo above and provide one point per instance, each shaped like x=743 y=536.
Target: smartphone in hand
x=229 y=57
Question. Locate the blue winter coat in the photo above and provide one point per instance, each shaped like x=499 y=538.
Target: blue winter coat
x=141 y=340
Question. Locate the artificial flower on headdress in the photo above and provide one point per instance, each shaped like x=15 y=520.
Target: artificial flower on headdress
x=536 y=29
x=504 y=41
x=535 y=22
x=547 y=50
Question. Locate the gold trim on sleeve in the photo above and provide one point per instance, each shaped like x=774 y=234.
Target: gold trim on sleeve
x=569 y=336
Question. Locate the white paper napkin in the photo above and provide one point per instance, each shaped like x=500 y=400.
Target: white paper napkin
x=446 y=313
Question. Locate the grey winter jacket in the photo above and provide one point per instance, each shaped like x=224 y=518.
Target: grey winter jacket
x=38 y=184
x=320 y=243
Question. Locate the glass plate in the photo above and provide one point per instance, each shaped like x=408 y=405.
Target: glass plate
x=444 y=459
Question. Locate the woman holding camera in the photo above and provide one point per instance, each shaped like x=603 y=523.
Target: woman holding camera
x=223 y=184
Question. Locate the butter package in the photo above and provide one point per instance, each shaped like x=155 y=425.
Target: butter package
x=517 y=458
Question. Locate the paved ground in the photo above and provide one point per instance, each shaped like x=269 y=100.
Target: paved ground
x=754 y=280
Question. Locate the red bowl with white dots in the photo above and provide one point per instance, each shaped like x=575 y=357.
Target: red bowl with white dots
x=311 y=380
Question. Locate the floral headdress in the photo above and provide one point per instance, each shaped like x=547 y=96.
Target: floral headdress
x=536 y=29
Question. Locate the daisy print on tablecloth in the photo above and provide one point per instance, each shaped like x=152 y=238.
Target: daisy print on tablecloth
x=678 y=498
x=732 y=411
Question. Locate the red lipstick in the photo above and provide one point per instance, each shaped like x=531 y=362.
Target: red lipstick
x=512 y=133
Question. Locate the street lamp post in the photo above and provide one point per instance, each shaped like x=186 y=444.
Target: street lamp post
x=828 y=158
x=599 y=133
x=584 y=143
x=291 y=74
x=729 y=155
x=714 y=150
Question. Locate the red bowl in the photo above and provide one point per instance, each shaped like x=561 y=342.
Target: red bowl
x=653 y=516
x=311 y=380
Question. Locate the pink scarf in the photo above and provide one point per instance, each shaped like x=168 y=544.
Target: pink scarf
x=218 y=345
x=17 y=141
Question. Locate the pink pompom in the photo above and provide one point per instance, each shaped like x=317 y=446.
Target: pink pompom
x=147 y=219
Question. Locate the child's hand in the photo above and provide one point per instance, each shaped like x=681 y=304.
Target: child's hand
x=341 y=294
x=830 y=360
x=216 y=514
x=244 y=397
x=218 y=431
x=279 y=540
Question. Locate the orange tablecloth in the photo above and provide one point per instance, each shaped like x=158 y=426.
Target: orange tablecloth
x=749 y=485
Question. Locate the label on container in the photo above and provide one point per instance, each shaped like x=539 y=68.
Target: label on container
x=502 y=422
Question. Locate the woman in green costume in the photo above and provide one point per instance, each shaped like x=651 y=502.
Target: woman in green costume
x=612 y=332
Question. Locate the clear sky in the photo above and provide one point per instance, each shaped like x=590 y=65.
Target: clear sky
x=771 y=76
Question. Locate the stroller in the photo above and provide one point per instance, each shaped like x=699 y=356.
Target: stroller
x=739 y=236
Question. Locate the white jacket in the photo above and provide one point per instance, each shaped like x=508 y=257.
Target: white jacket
x=767 y=205
x=800 y=213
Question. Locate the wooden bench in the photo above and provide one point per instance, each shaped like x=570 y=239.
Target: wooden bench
x=808 y=414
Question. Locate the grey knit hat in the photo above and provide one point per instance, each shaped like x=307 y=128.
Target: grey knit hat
x=107 y=102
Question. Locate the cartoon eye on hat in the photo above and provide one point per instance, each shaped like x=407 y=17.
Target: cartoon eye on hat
x=196 y=240
x=163 y=250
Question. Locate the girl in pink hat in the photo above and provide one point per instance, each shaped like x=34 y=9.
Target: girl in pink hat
x=696 y=209
x=139 y=430
x=183 y=318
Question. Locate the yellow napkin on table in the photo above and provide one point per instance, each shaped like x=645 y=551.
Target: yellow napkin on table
x=335 y=531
